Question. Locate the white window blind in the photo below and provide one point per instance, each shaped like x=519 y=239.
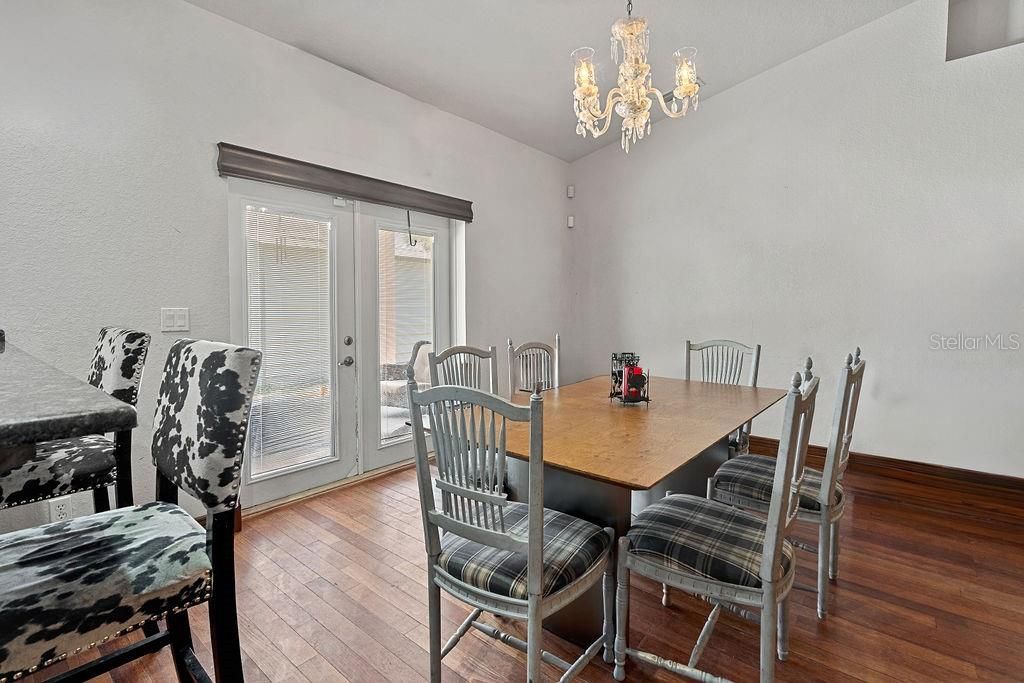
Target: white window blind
x=288 y=318
x=405 y=295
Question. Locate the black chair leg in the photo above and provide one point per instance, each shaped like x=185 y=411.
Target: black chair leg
x=123 y=457
x=227 y=652
x=181 y=644
x=101 y=499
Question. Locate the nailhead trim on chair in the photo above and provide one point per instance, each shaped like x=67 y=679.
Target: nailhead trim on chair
x=110 y=482
x=118 y=634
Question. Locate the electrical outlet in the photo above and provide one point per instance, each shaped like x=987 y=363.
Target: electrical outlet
x=60 y=509
x=174 y=320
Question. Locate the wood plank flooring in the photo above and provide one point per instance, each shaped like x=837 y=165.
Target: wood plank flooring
x=931 y=588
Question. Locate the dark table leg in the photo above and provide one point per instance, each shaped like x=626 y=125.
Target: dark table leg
x=603 y=504
x=691 y=478
x=123 y=458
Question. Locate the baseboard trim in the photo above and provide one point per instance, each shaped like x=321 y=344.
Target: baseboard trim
x=909 y=469
x=257 y=510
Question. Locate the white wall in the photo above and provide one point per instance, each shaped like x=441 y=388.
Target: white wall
x=867 y=192
x=110 y=203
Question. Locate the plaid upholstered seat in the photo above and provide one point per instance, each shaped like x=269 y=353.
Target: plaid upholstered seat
x=571 y=547
x=752 y=476
x=59 y=468
x=711 y=539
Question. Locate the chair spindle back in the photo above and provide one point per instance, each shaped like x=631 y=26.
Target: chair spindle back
x=531 y=363
x=721 y=361
x=789 y=471
x=469 y=429
x=851 y=378
x=464 y=366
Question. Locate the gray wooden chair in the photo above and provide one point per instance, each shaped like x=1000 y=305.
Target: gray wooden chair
x=747 y=481
x=517 y=560
x=721 y=361
x=530 y=363
x=464 y=366
x=731 y=557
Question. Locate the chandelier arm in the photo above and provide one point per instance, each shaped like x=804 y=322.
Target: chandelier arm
x=613 y=97
x=664 y=107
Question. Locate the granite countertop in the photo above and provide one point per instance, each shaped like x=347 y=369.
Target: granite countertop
x=40 y=403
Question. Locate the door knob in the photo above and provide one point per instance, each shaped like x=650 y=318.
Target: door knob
x=348 y=361
x=348 y=341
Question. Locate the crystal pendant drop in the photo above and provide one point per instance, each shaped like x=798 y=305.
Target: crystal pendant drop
x=675 y=106
x=579 y=129
x=696 y=103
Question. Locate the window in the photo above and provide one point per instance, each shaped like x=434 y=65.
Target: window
x=287 y=308
x=405 y=300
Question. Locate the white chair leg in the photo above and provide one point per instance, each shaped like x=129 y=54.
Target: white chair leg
x=609 y=614
x=833 y=560
x=769 y=626
x=534 y=640
x=434 y=613
x=783 y=635
x=666 y=597
x=621 y=611
x=824 y=554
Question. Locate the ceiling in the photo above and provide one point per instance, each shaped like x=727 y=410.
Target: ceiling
x=505 y=64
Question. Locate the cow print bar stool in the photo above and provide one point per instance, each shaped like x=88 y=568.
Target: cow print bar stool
x=68 y=586
x=93 y=462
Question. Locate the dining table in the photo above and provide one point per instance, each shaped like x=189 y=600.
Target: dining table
x=40 y=403
x=605 y=460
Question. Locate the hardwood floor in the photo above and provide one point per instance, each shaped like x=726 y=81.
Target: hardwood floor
x=931 y=588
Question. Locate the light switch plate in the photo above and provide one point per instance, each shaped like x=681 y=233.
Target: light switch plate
x=174 y=320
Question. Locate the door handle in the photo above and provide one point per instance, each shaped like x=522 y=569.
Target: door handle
x=347 y=361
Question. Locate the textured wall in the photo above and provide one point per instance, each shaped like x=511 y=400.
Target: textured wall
x=111 y=207
x=866 y=192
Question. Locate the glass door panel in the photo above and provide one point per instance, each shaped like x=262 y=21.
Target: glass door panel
x=406 y=305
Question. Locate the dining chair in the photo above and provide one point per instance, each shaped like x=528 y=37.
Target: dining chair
x=464 y=366
x=86 y=463
x=730 y=557
x=747 y=481
x=530 y=363
x=69 y=586
x=721 y=361
x=512 y=559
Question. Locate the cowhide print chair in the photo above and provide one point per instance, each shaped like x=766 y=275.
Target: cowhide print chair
x=532 y=362
x=69 y=586
x=87 y=463
x=732 y=558
x=517 y=560
x=747 y=481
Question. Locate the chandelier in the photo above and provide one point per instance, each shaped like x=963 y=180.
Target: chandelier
x=631 y=98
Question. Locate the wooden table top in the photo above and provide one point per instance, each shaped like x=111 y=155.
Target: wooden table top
x=636 y=446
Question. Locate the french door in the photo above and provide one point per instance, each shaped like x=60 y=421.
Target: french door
x=403 y=291
x=335 y=294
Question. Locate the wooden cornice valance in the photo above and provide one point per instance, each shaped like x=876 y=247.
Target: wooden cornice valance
x=252 y=164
